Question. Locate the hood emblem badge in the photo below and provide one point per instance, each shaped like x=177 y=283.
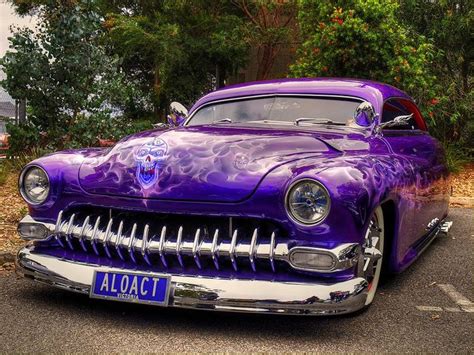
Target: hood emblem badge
x=150 y=159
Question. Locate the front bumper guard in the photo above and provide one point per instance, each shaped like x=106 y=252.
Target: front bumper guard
x=208 y=293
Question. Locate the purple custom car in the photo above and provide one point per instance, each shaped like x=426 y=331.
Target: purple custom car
x=285 y=196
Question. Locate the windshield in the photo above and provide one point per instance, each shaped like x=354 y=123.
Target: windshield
x=277 y=109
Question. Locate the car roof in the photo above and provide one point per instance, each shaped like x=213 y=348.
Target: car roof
x=372 y=91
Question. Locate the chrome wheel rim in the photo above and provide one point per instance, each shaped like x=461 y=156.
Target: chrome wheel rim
x=373 y=253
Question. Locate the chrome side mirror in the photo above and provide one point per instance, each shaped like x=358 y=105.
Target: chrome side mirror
x=178 y=114
x=364 y=114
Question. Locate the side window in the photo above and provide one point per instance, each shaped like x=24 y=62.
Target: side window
x=399 y=107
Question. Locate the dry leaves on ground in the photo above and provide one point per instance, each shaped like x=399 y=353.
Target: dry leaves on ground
x=462 y=184
x=12 y=209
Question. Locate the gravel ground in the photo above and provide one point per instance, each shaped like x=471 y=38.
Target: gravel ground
x=38 y=318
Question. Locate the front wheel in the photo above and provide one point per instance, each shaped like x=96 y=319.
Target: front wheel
x=373 y=253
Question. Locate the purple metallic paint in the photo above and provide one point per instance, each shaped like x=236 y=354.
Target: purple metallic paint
x=245 y=170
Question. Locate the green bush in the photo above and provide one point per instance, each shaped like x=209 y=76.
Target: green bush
x=362 y=39
x=27 y=140
x=23 y=137
x=87 y=130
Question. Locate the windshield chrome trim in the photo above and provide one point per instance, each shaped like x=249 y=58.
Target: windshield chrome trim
x=239 y=98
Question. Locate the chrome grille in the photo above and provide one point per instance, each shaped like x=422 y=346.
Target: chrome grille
x=91 y=231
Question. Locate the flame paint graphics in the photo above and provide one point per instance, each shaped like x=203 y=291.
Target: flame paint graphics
x=150 y=159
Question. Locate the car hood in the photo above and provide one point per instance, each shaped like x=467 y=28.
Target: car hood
x=205 y=163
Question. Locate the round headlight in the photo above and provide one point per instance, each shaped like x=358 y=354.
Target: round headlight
x=34 y=185
x=308 y=202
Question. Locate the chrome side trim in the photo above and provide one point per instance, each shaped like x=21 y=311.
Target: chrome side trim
x=146 y=243
x=208 y=293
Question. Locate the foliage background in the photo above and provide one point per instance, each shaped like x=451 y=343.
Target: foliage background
x=103 y=69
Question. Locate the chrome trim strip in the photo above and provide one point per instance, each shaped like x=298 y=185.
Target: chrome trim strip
x=220 y=294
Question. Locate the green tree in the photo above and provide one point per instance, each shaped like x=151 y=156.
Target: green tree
x=61 y=68
x=177 y=50
x=450 y=25
x=363 y=39
x=272 y=28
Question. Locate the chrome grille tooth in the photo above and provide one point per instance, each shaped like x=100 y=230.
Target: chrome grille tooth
x=57 y=229
x=94 y=235
x=232 y=250
x=214 y=249
x=82 y=234
x=120 y=237
x=178 y=245
x=271 y=253
x=130 y=243
x=145 y=242
x=252 y=249
x=70 y=228
x=108 y=233
x=196 y=248
x=162 y=245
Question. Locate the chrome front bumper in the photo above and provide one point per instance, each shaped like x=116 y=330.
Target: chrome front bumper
x=211 y=293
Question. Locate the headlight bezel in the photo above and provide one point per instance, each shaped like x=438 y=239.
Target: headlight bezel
x=23 y=193
x=288 y=209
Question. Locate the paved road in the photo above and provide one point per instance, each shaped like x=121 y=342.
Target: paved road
x=34 y=317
